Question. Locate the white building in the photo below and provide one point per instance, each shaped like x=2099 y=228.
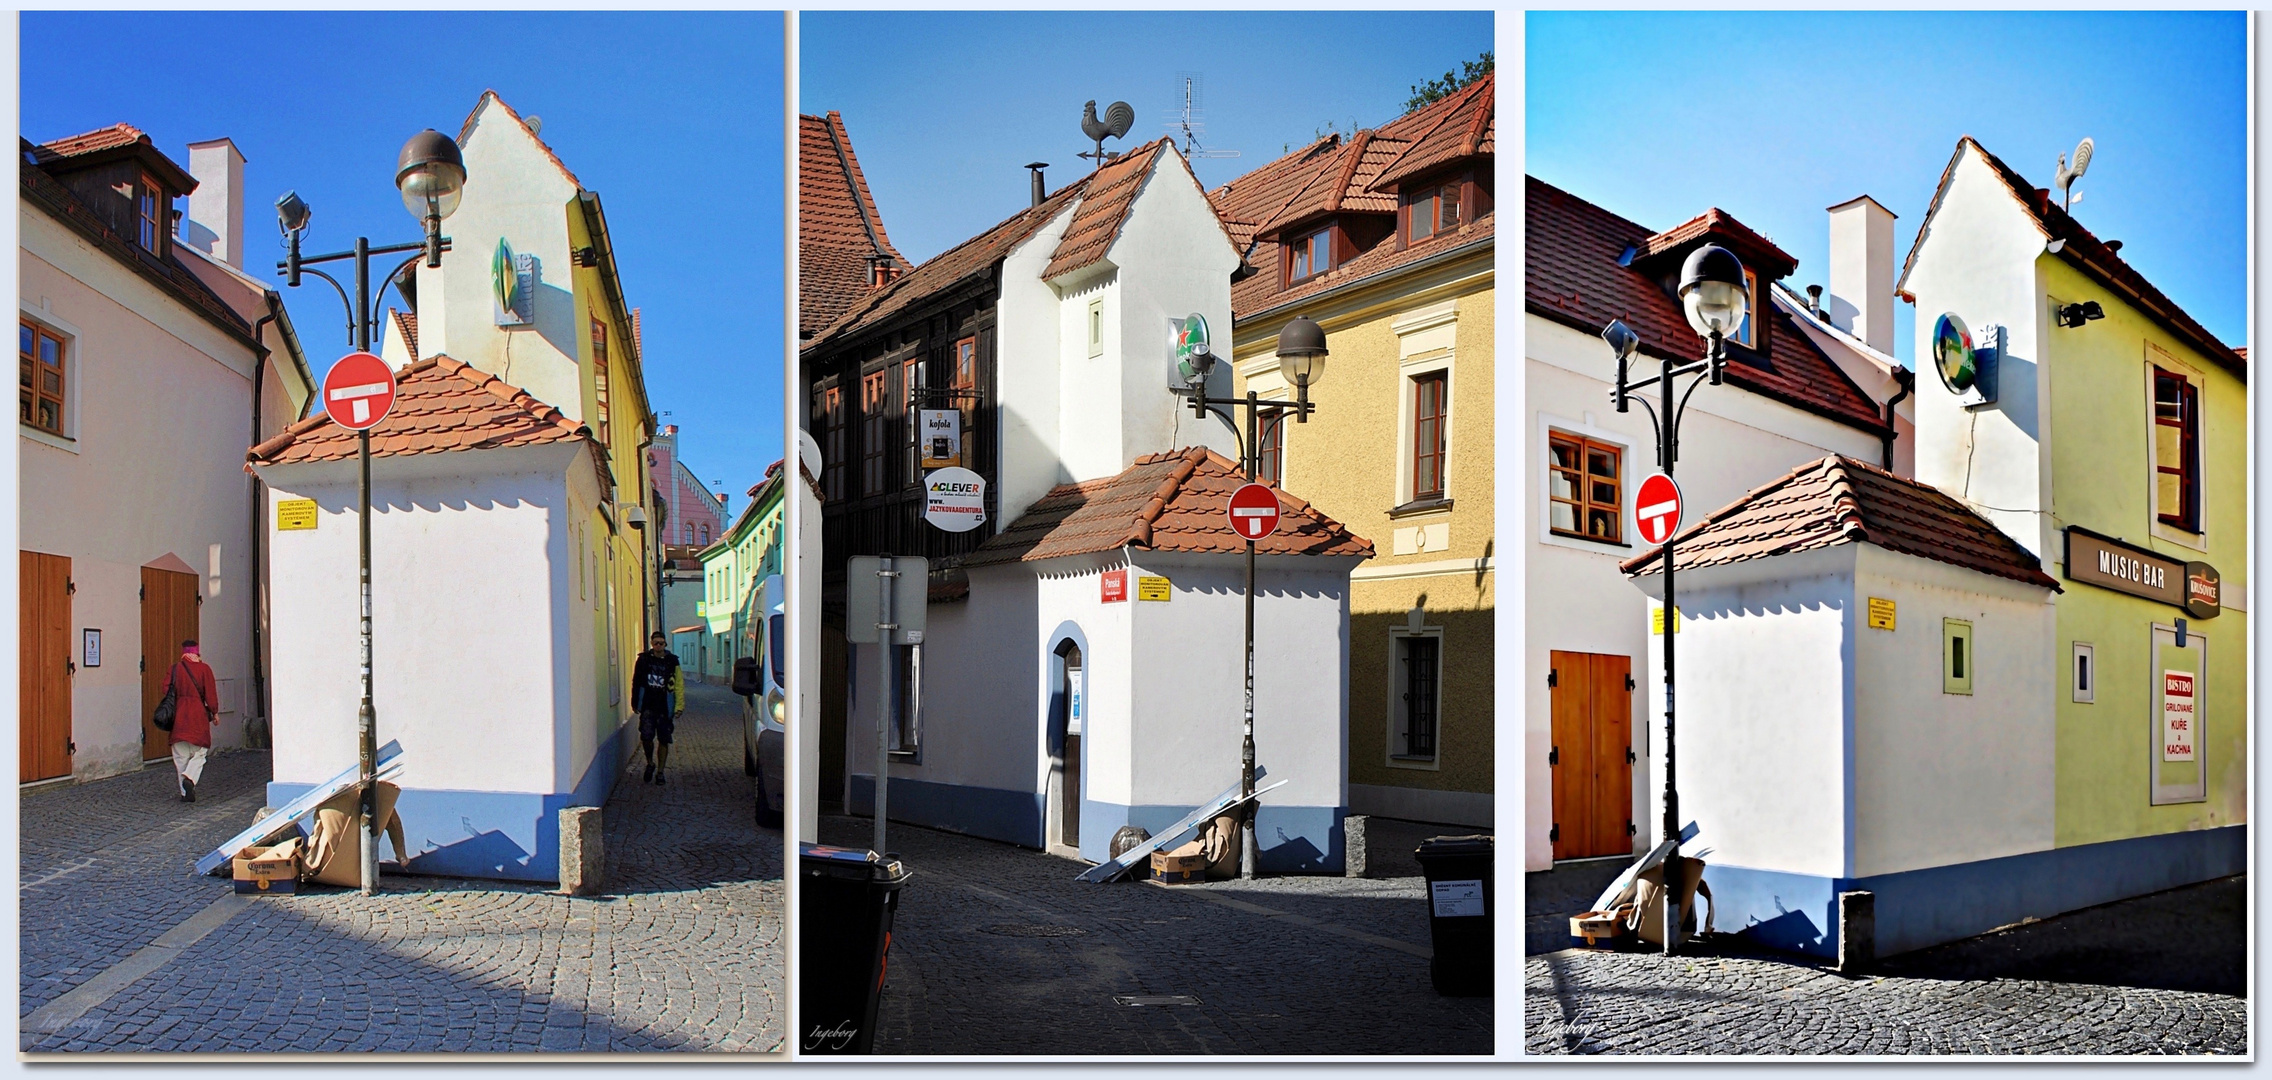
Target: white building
x=490 y=606
x=1054 y=333
x=1866 y=704
x=149 y=362
x=1785 y=402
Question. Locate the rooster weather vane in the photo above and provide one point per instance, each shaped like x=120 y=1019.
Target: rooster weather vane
x=1118 y=118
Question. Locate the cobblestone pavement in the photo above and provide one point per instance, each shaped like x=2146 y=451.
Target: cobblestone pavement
x=2160 y=974
x=685 y=953
x=997 y=950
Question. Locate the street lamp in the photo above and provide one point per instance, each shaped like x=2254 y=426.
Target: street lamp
x=1301 y=359
x=431 y=176
x=1713 y=295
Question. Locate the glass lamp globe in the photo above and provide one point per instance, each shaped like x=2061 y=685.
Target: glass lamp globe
x=431 y=175
x=1712 y=292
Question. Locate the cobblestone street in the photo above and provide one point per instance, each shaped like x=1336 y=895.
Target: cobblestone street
x=123 y=950
x=2159 y=974
x=997 y=950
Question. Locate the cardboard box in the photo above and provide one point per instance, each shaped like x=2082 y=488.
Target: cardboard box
x=1181 y=866
x=335 y=851
x=267 y=870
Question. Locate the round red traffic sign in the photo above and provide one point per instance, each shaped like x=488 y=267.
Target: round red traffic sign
x=1656 y=508
x=358 y=391
x=1253 y=511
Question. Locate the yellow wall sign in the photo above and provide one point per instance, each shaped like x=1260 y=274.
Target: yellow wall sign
x=295 y=514
x=1657 y=621
x=1152 y=588
x=1881 y=613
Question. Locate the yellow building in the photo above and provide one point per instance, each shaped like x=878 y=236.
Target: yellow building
x=1385 y=239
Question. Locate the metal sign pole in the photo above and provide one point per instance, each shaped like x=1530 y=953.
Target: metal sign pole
x=366 y=720
x=885 y=625
x=1674 y=872
x=1246 y=746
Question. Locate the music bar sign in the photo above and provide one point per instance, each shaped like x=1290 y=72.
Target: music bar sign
x=2111 y=564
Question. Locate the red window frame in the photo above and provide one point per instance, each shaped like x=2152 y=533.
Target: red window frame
x=2177 y=406
x=1309 y=255
x=875 y=446
x=599 y=379
x=1434 y=210
x=42 y=377
x=149 y=210
x=828 y=416
x=1270 y=447
x=1595 y=500
x=1431 y=408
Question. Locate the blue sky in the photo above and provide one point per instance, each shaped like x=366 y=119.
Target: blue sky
x=1825 y=107
x=647 y=109
x=945 y=109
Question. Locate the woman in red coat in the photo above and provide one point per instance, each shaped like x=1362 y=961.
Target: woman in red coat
x=195 y=697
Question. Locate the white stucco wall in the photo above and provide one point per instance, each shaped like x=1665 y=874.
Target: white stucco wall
x=1029 y=379
x=513 y=190
x=158 y=410
x=1575 y=597
x=1947 y=778
x=474 y=655
x=1765 y=706
x=1977 y=258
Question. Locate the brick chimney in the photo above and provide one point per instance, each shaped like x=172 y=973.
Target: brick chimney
x=217 y=208
x=1861 y=271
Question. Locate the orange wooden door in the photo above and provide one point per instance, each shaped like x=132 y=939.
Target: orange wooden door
x=1592 y=755
x=169 y=617
x=43 y=694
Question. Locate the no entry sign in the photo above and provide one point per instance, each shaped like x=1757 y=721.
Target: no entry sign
x=358 y=391
x=1253 y=511
x=1656 y=508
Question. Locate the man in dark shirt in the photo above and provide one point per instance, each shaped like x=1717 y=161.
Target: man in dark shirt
x=659 y=693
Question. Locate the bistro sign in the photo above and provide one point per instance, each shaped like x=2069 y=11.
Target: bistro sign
x=2111 y=564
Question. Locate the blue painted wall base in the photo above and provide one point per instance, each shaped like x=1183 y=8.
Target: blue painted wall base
x=1919 y=908
x=503 y=836
x=1289 y=839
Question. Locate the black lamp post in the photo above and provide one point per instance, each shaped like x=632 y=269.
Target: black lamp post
x=1301 y=359
x=1712 y=294
x=431 y=176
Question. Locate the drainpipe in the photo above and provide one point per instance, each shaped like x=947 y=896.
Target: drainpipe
x=1908 y=381
x=258 y=699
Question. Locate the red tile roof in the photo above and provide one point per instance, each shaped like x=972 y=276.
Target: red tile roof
x=2084 y=251
x=1840 y=500
x=1571 y=276
x=1163 y=502
x=109 y=138
x=440 y=405
x=1757 y=252
x=1463 y=124
x=1357 y=175
x=839 y=230
x=1105 y=198
x=407 y=322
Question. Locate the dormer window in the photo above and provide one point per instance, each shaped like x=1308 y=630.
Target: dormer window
x=1431 y=210
x=1311 y=255
x=150 y=205
x=1745 y=335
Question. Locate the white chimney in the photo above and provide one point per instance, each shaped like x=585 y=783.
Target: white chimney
x=217 y=208
x=1861 y=271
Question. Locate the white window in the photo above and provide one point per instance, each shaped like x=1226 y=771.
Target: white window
x=2085 y=673
x=1957 y=659
x=907 y=715
x=1415 y=695
x=1096 y=327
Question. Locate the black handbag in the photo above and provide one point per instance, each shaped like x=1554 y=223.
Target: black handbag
x=163 y=717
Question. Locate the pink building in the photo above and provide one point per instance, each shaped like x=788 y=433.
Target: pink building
x=695 y=516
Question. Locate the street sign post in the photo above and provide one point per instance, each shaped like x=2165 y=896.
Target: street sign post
x=1253 y=511
x=358 y=392
x=1656 y=508
x=886 y=613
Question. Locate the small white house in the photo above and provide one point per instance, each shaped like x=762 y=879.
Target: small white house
x=1094 y=676
x=1865 y=704
x=489 y=613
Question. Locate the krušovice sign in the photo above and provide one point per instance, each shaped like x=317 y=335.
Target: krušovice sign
x=2111 y=564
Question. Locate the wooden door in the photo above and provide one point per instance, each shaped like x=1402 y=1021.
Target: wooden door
x=169 y=617
x=1592 y=755
x=43 y=693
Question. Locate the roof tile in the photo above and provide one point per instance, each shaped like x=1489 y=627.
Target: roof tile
x=839 y=230
x=1163 y=502
x=440 y=405
x=1838 y=500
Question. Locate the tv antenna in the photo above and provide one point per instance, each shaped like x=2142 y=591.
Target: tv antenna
x=1118 y=118
x=1190 y=87
x=2068 y=196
